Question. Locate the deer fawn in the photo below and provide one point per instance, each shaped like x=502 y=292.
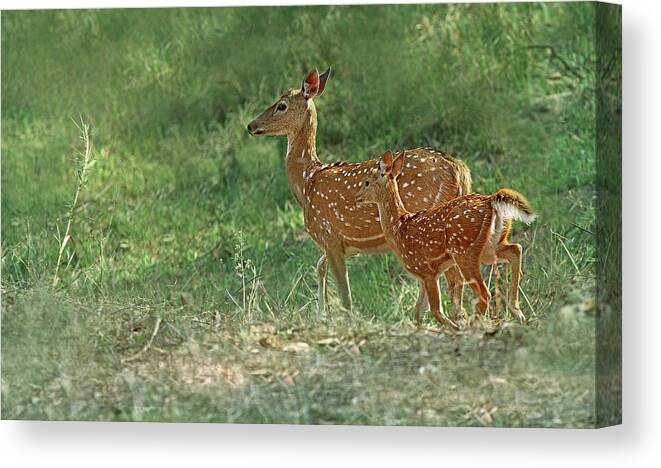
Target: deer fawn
x=466 y=231
x=327 y=192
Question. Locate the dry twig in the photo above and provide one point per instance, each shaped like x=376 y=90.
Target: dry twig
x=146 y=347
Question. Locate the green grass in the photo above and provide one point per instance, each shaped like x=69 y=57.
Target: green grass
x=186 y=219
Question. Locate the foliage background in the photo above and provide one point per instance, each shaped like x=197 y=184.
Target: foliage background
x=188 y=223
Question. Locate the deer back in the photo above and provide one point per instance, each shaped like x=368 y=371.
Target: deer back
x=429 y=177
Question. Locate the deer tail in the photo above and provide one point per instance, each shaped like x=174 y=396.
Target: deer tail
x=464 y=178
x=510 y=204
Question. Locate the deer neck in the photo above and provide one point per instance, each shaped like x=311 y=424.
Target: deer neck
x=302 y=153
x=391 y=214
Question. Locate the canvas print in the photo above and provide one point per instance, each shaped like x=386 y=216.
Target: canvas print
x=353 y=215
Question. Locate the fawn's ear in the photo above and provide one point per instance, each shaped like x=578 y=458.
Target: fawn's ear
x=387 y=158
x=398 y=165
x=311 y=84
x=385 y=163
x=322 y=81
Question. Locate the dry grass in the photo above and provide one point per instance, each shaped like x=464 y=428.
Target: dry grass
x=271 y=372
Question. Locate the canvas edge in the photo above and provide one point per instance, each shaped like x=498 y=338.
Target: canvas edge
x=608 y=239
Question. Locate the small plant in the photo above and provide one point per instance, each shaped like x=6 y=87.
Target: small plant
x=248 y=274
x=83 y=161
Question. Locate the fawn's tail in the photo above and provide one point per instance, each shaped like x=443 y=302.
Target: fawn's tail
x=512 y=205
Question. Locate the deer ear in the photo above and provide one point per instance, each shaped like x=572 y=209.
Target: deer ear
x=385 y=163
x=310 y=86
x=398 y=165
x=322 y=81
x=387 y=158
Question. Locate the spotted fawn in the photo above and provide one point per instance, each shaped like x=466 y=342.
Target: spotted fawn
x=465 y=232
x=327 y=191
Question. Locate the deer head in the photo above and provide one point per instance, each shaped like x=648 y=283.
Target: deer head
x=290 y=112
x=378 y=184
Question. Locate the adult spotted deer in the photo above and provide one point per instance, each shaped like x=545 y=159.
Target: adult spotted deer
x=466 y=231
x=327 y=191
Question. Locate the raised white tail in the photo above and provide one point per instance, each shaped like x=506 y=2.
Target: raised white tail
x=510 y=204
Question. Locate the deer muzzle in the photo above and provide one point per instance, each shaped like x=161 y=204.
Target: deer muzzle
x=254 y=129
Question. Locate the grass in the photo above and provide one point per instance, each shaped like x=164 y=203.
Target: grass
x=187 y=290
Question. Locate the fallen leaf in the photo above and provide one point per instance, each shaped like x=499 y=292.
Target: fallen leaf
x=588 y=306
x=486 y=415
x=297 y=347
x=355 y=350
x=497 y=380
x=263 y=329
x=288 y=381
x=328 y=341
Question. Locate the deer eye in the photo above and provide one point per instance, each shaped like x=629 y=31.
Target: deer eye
x=281 y=107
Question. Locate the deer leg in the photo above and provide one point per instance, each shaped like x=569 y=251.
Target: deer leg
x=454 y=278
x=473 y=276
x=496 y=271
x=434 y=296
x=422 y=303
x=338 y=266
x=322 y=270
x=456 y=286
x=512 y=253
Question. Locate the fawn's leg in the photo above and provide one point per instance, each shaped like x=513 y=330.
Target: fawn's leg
x=338 y=266
x=434 y=296
x=496 y=277
x=322 y=270
x=456 y=285
x=422 y=304
x=512 y=253
x=471 y=272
